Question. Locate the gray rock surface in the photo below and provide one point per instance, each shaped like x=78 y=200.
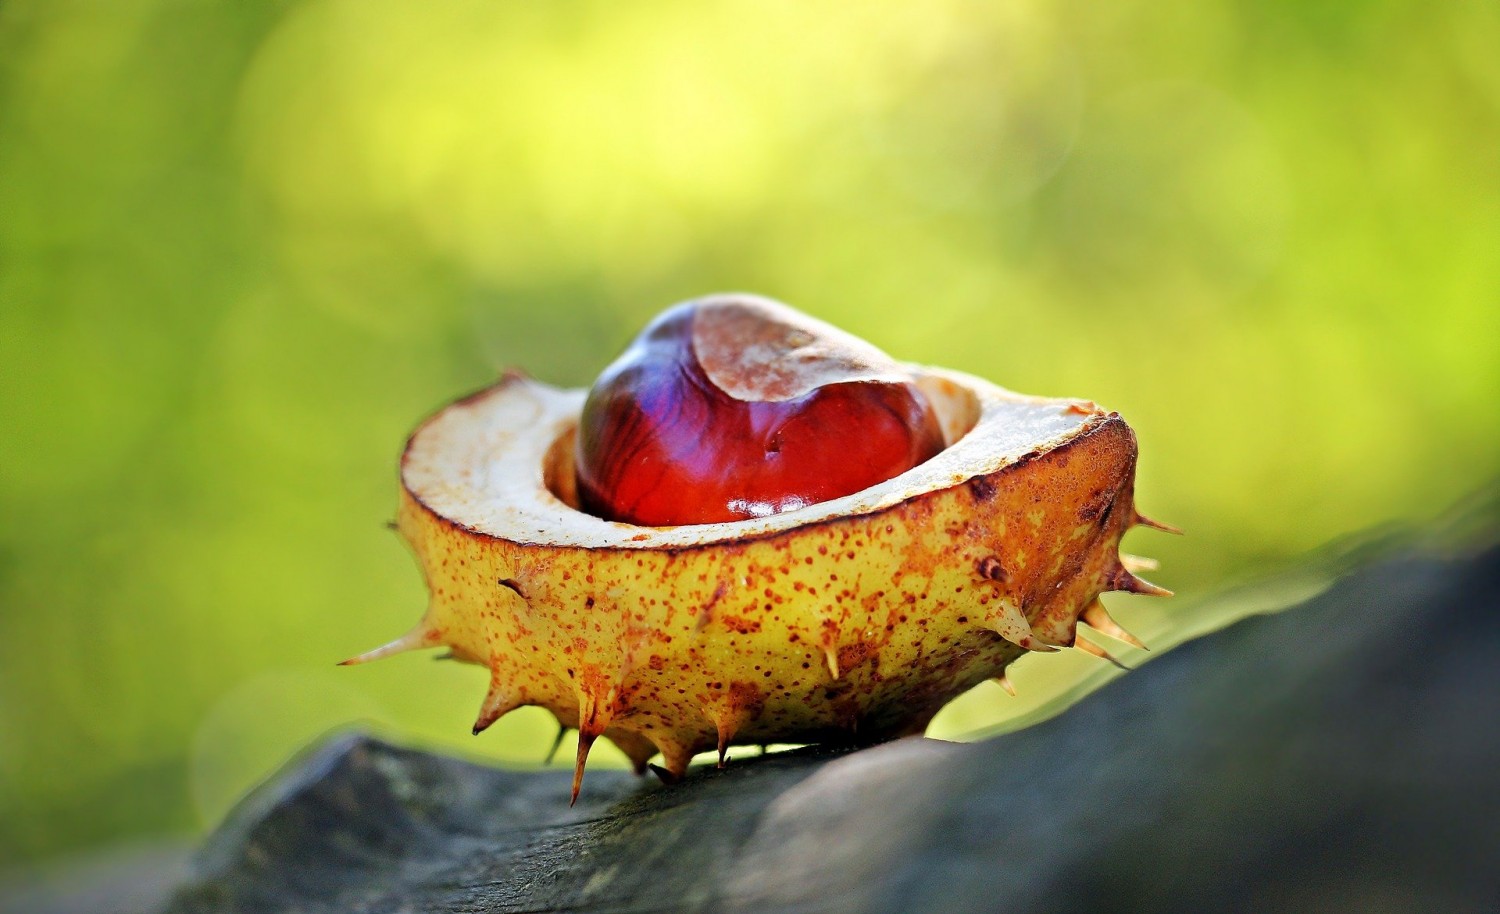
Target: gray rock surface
x=1341 y=756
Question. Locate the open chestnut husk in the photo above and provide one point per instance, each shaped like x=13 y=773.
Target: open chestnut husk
x=854 y=616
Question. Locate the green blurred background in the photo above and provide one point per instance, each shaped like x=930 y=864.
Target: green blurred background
x=244 y=247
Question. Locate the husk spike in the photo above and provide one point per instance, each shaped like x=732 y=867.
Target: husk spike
x=1010 y=623
x=1089 y=647
x=1098 y=618
x=416 y=639
x=1138 y=562
x=1142 y=520
x=724 y=737
x=585 y=743
x=675 y=757
x=498 y=702
x=1003 y=681
x=557 y=741
x=1124 y=580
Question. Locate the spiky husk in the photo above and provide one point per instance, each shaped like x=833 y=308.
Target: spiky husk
x=849 y=628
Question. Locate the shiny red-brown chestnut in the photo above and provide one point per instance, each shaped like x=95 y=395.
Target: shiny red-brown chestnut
x=733 y=407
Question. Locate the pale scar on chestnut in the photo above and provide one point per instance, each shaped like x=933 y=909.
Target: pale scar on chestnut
x=901 y=533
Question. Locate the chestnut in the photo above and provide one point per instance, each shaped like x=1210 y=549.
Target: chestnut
x=733 y=407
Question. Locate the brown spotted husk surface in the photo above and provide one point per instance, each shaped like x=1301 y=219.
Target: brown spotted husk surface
x=856 y=628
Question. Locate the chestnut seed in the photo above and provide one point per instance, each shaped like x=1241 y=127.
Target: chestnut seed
x=733 y=407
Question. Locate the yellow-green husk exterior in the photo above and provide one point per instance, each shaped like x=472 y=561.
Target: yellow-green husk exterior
x=857 y=627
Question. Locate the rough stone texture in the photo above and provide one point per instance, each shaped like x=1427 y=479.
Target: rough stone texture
x=1341 y=756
